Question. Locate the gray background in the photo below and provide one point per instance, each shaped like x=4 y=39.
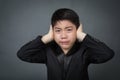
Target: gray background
x=23 y=20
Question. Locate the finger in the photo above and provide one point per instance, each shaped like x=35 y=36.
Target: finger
x=50 y=28
x=80 y=28
x=80 y=25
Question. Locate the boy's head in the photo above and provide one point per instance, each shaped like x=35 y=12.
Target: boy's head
x=65 y=23
x=65 y=14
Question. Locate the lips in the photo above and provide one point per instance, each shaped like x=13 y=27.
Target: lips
x=64 y=42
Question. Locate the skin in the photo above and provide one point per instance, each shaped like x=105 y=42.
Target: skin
x=65 y=34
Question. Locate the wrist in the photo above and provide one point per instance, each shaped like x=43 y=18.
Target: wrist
x=45 y=39
x=81 y=36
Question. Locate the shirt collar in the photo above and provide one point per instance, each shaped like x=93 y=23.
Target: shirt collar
x=56 y=48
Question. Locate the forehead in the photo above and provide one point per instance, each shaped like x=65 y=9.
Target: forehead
x=64 y=24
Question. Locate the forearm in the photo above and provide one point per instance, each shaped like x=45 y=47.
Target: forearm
x=97 y=51
x=30 y=51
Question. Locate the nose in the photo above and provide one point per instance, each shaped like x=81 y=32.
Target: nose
x=63 y=35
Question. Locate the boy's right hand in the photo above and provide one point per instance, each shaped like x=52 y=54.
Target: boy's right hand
x=48 y=37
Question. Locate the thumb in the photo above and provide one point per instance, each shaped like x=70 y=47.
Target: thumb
x=80 y=29
x=51 y=29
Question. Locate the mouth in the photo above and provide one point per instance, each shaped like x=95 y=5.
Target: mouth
x=64 y=42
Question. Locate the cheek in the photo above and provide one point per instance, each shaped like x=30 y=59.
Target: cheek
x=73 y=35
x=56 y=37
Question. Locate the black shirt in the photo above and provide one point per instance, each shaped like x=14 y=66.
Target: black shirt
x=64 y=59
x=74 y=65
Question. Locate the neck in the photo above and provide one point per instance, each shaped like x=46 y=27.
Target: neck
x=65 y=51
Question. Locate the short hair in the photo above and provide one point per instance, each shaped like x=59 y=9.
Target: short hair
x=65 y=14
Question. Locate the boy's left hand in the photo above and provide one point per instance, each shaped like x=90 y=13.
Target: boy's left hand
x=80 y=34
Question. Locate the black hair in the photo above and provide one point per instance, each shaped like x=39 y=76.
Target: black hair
x=65 y=14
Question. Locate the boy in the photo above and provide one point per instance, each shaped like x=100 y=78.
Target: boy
x=66 y=50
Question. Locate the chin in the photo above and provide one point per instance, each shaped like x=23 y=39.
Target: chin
x=65 y=47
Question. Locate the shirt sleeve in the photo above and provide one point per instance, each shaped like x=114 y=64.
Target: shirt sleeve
x=33 y=51
x=97 y=51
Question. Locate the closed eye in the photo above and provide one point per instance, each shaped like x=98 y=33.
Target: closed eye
x=58 y=30
x=69 y=29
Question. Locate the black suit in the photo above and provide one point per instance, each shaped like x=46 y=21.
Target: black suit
x=90 y=50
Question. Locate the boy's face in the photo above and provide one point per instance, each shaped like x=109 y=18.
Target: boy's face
x=65 y=34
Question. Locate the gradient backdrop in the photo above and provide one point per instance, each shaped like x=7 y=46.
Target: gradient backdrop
x=23 y=20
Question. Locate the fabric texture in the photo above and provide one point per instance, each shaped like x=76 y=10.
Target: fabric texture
x=74 y=65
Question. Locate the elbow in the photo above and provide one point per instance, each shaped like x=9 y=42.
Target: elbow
x=21 y=55
x=107 y=56
x=111 y=54
x=103 y=57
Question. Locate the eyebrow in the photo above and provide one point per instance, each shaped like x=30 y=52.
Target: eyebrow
x=68 y=27
x=57 y=28
x=65 y=27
